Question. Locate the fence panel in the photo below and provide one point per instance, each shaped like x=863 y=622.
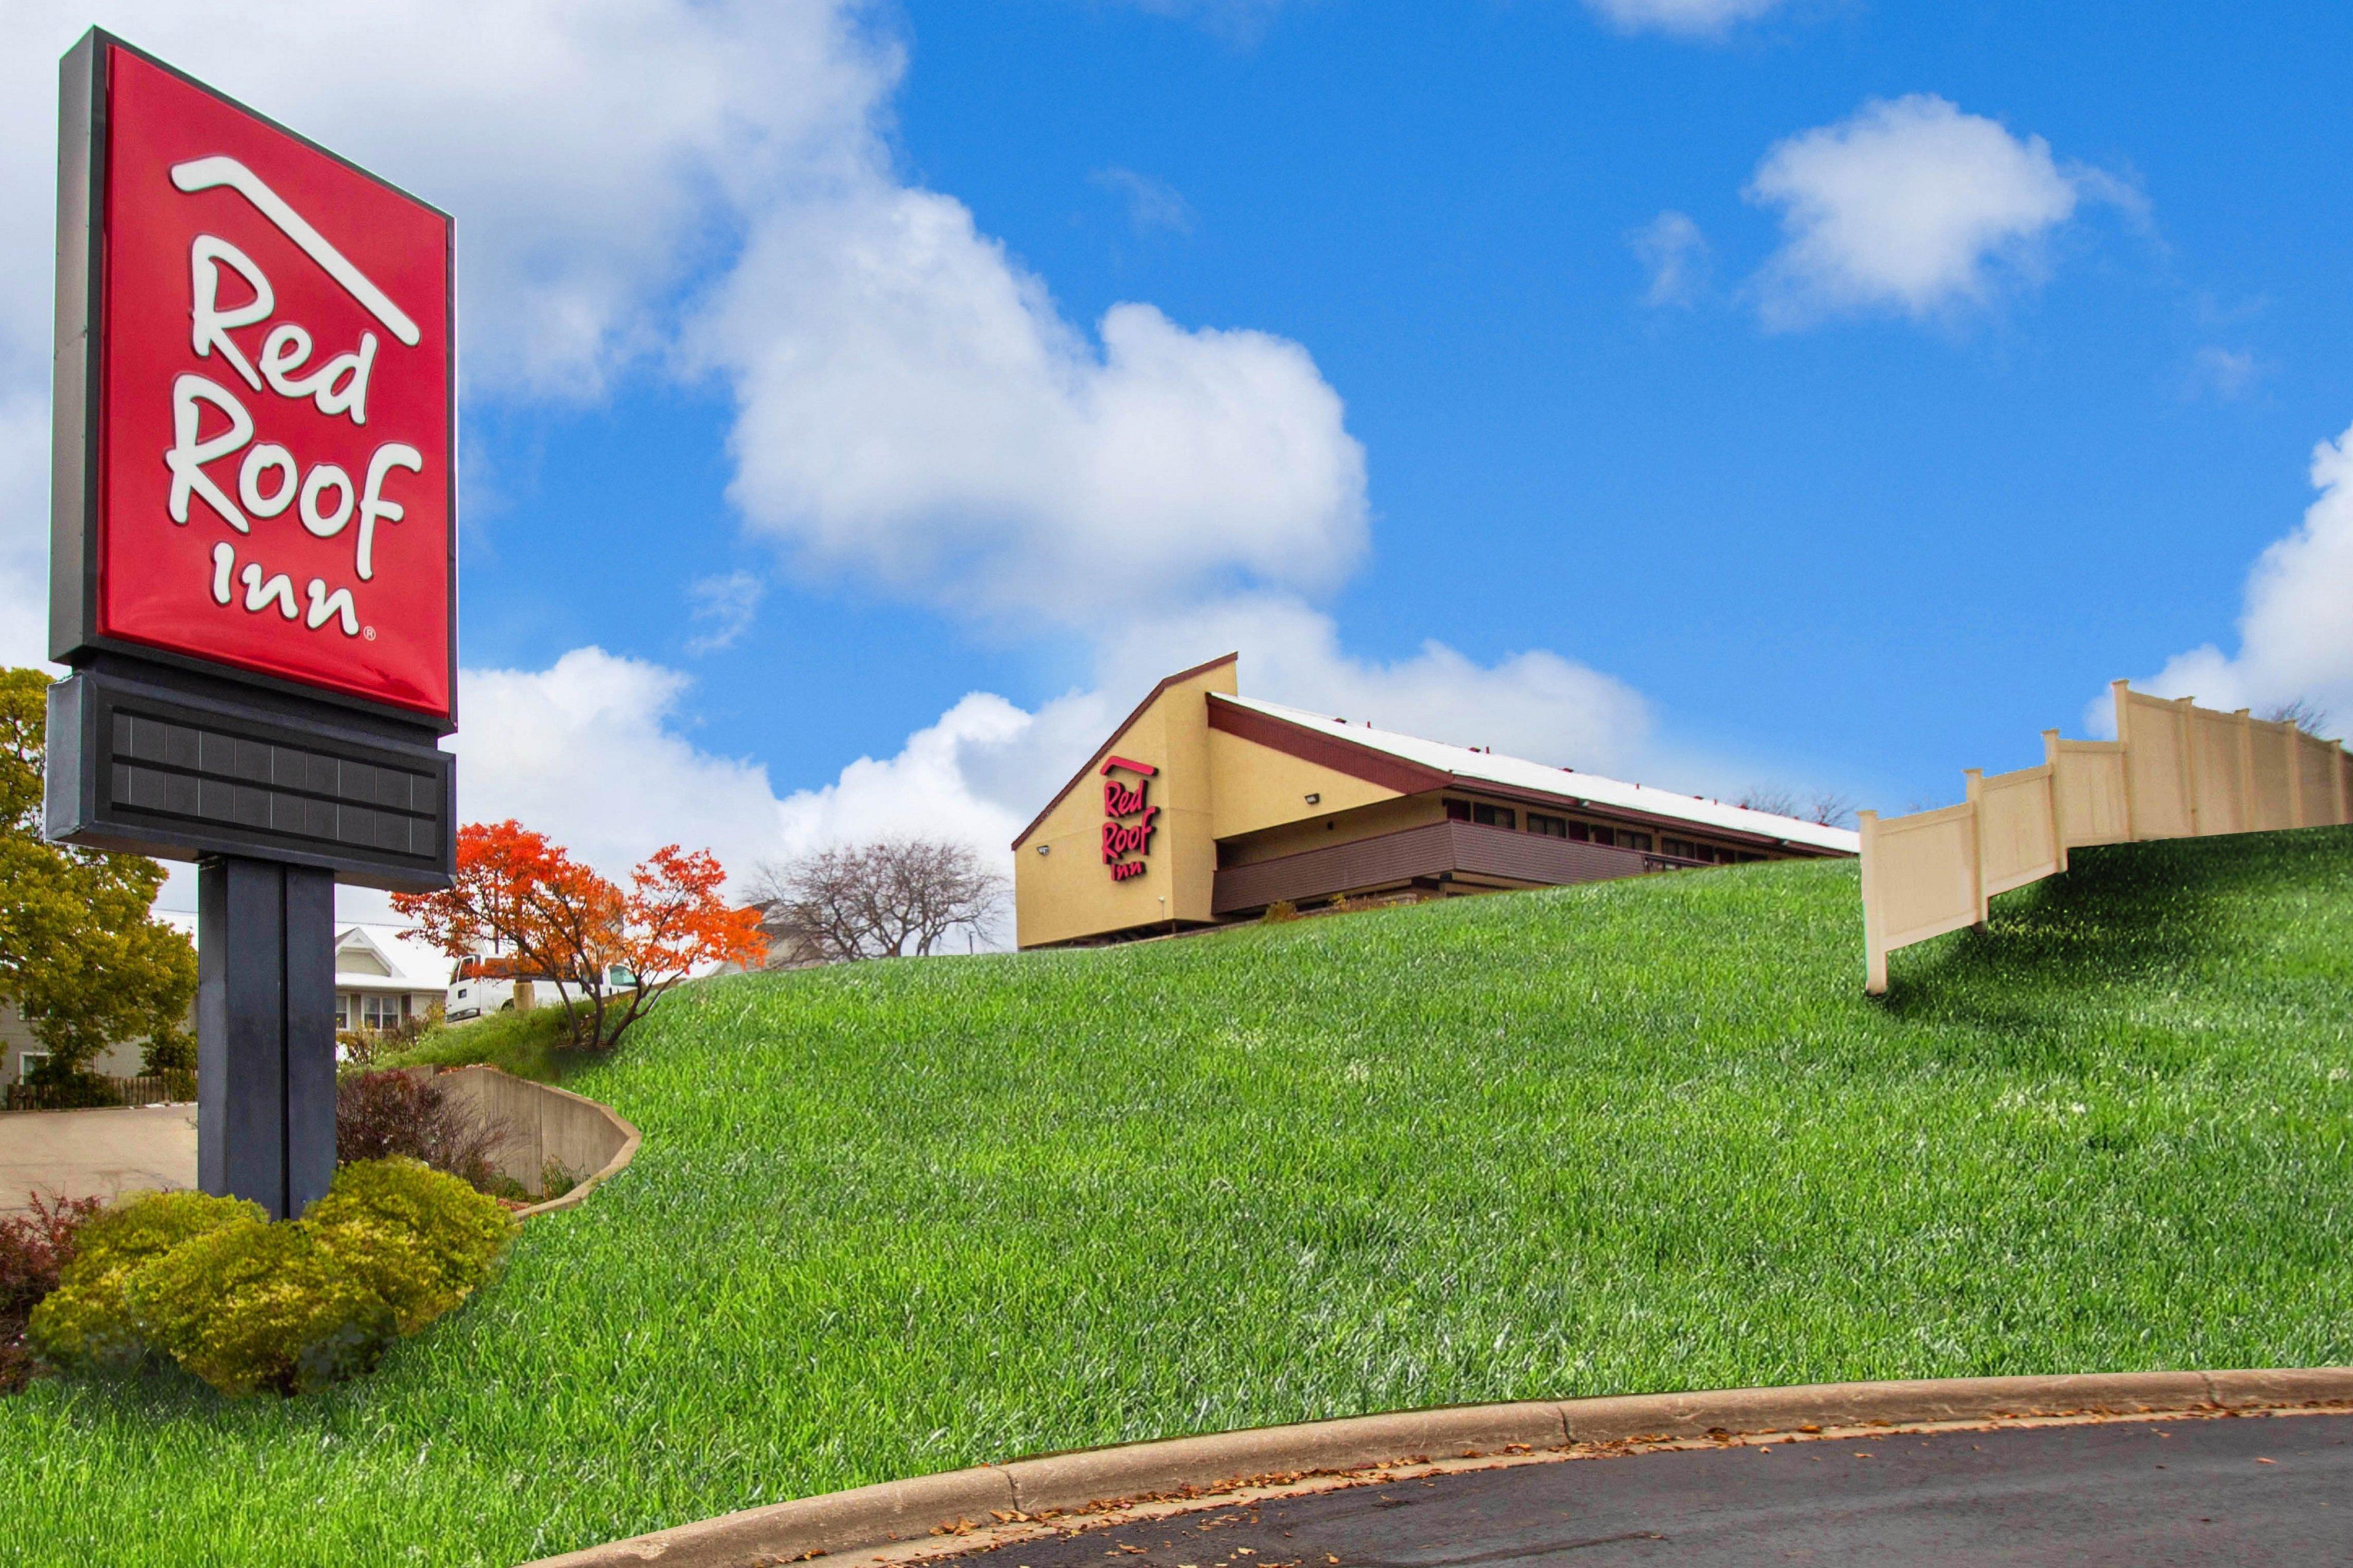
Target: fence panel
x=2271 y=776
x=2018 y=831
x=1919 y=879
x=2315 y=783
x=2174 y=769
x=2088 y=789
x=2218 y=770
x=2156 y=765
x=109 y=1092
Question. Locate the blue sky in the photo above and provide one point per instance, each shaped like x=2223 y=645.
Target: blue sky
x=1831 y=394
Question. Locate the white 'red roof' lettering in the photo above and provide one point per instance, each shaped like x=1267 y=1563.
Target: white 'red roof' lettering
x=206 y=173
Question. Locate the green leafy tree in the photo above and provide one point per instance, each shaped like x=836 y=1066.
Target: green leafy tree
x=80 y=956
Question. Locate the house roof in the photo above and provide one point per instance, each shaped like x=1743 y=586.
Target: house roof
x=1425 y=761
x=415 y=964
x=410 y=964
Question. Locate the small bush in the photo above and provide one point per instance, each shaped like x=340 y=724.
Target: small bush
x=288 y=1308
x=85 y=1324
x=172 y=1051
x=393 y=1115
x=457 y=1232
x=1280 y=910
x=257 y=1306
x=34 y=1248
x=556 y=1179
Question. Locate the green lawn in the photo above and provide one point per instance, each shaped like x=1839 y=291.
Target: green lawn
x=901 y=1217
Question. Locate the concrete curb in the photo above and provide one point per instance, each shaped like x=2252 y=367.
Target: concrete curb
x=894 y=1513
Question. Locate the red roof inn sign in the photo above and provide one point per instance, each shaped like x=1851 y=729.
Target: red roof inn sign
x=252 y=563
x=1127 y=820
x=255 y=487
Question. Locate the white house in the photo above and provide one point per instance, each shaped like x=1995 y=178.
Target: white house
x=381 y=978
x=381 y=975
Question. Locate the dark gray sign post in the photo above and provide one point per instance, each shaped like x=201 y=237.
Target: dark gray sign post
x=253 y=564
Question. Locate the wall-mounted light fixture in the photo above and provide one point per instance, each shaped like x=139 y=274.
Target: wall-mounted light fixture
x=1044 y=848
x=1315 y=800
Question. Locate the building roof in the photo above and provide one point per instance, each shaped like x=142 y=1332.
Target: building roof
x=362 y=947
x=1113 y=738
x=1471 y=769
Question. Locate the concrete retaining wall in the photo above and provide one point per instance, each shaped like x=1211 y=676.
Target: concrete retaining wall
x=544 y=1125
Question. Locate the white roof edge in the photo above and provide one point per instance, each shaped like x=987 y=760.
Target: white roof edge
x=1519 y=773
x=415 y=964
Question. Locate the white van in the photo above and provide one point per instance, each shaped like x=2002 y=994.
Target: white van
x=473 y=994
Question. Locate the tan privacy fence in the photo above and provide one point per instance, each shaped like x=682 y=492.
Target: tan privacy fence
x=2174 y=771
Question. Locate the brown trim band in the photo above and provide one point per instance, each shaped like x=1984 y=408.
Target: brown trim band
x=1326 y=750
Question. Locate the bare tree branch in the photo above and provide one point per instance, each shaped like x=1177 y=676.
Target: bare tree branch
x=894 y=898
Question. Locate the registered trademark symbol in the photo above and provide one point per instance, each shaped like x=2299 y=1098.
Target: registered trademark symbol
x=368 y=632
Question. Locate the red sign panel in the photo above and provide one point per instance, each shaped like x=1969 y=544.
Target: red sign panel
x=1127 y=819
x=274 y=479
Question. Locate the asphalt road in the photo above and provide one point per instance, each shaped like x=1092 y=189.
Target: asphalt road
x=2241 y=1491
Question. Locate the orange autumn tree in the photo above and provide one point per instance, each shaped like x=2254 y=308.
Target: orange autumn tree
x=553 y=918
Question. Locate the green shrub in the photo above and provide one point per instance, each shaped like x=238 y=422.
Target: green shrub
x=556 y=1180
x=170 y=1051
x=1278 y=911
x=292 y=1307
x=259 y=1305
x=458 y=1230
x=85 y=1324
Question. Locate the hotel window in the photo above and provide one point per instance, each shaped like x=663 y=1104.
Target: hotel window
x=1684 y=848
x=1581 y=833
x=1494 y=816
x=1458 y=811
x=1550 y=826
x=1628 y=839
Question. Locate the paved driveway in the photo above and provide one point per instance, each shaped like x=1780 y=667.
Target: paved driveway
x=95 y=1153
x=2257 y=1489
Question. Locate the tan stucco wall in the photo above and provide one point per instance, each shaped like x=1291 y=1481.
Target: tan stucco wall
x=1254 y=786
x=1068 y=892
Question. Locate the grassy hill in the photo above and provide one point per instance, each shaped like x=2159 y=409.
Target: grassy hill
x=1643 y=1135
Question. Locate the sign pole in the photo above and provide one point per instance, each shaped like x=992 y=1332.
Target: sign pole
x=265 y=1031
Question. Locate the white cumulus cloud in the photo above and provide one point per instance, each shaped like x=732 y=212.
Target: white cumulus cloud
x=1532 y=704
x=1908 y=205
x=2295 y=626
x=914 y=408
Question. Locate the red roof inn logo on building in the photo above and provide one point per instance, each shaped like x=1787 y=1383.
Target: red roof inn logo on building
x=274 y=479
x=1127 y=820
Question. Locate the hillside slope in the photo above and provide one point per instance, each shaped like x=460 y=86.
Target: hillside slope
x=1641 y=1135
